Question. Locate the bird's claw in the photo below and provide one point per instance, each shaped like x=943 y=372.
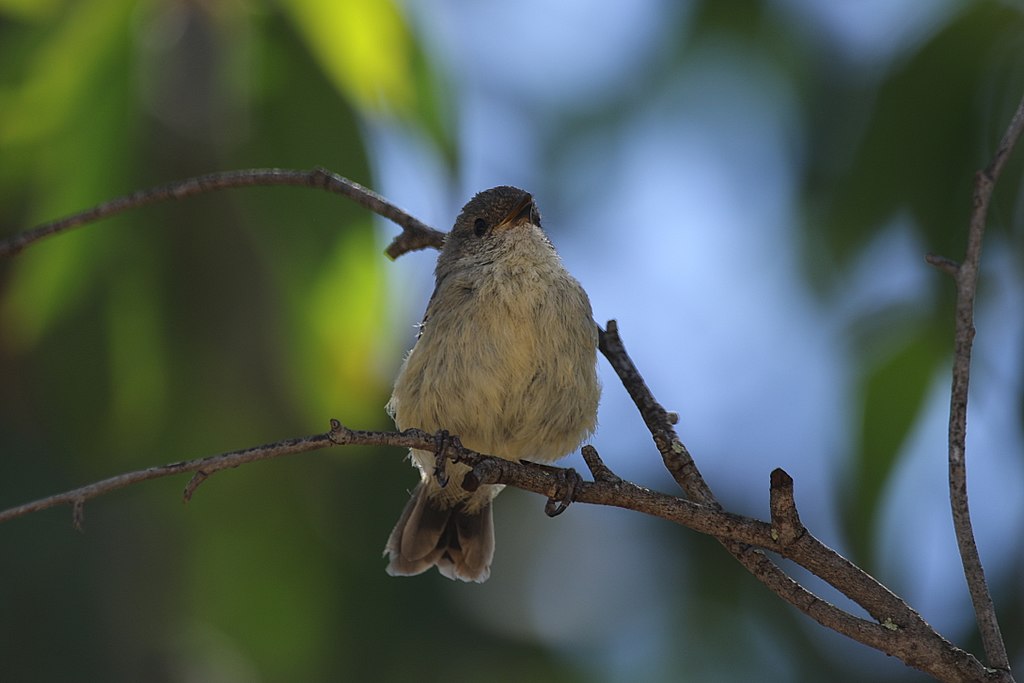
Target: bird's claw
x=567 y=481
x=441 y=441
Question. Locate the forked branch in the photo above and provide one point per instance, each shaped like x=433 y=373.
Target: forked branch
x=965 y=275
x=894 y=627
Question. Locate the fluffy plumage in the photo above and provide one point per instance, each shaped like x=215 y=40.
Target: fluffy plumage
x=505 y=360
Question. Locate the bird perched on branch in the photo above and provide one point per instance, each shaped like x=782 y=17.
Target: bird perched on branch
x=505 y=360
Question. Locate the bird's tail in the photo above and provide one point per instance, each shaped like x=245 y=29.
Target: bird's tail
x=434 y=532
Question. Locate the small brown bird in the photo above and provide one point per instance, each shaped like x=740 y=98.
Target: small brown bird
x=505 y=360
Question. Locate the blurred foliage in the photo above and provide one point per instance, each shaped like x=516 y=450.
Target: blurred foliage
x=224 y=321
x=186 y=329
x=932 y=121
x=924 y=129
x=893 y=391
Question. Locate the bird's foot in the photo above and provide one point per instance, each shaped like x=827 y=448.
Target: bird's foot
x=567 y=481
x=441 y=441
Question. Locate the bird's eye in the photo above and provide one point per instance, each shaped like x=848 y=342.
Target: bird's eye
x=480 y=227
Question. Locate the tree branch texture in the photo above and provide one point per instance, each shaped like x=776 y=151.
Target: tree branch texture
x=896 y=629
x=415 y=235
x=966 y=277
x=893 y=627
x=202 y=467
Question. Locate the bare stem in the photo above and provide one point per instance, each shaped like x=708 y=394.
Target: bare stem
x=206 y=466
x=898 y=630
x=415 y=234
x=894 y=627
x=966 y=290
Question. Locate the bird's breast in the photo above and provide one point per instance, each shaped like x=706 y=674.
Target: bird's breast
x=506 y=362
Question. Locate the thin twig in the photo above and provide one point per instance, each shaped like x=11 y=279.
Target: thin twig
x=415 y=234
x=898 y=630
x=966 y=291
x=208 y=465
x=946 y=265
x=895 y=628
x=674 y=454
x=598 y=469
x=786 y=525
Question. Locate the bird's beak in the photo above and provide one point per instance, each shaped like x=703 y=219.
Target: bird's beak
x=523 y=209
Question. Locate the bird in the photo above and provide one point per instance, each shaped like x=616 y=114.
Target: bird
x=506 y=360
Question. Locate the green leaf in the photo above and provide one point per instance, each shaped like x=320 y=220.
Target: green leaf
x=921 y=144
x=363 y=45
x=57 y=73
x=892 y=394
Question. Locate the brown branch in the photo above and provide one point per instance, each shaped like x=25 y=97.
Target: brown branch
x=898 y=630
x=676 y=457
x=966 y=275
x=786 y=525
x=597 y=468
x=207 y=466
x=894 y=628
x=415 y=234
x=946 y=265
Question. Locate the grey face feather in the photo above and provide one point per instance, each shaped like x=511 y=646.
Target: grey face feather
x=482 y=228
x=492 y=207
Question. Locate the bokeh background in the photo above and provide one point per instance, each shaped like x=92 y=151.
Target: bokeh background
x=748 y=187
